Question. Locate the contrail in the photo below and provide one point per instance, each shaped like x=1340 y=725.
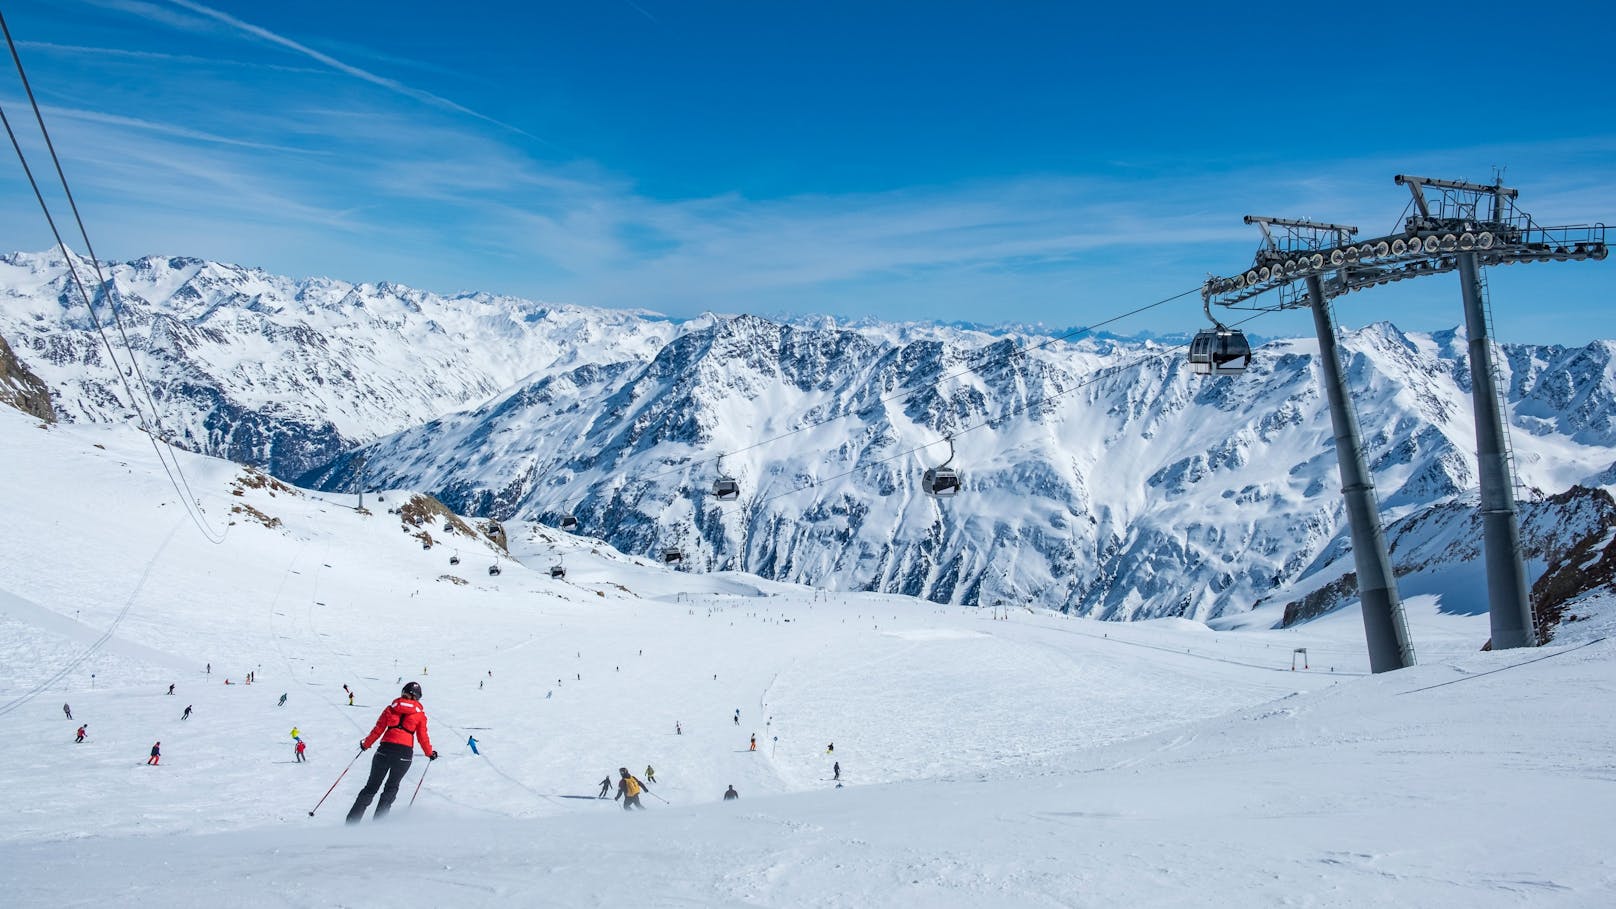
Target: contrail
x=391 y=85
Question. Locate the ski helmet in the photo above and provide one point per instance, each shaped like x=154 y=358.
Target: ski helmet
x=413 y=691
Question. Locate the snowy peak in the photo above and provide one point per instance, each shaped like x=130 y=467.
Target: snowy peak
x=1100 y=475
x=283 y=373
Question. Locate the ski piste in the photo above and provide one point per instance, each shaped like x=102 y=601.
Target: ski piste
x=1163 y=736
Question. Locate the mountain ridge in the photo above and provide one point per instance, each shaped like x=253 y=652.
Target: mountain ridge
x=1101 y=477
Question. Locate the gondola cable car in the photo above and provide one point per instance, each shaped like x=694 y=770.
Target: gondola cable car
x=942 y=481
x=493 y=570
x=725 y=488
x=568 y=522
x=672 y=555
x=1219 y=351
x=558 y=571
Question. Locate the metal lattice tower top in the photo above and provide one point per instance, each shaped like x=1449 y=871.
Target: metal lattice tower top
x=1448 y=217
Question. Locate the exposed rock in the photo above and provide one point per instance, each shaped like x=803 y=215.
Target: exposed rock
x=21 y=389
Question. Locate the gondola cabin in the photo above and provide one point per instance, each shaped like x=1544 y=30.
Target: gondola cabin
x=454 y=560
x=493 y=570
x=672 y=555
x=725 y=489
x=1219 y=352
x=568 y=522
x=557 y=572
x=940 y=482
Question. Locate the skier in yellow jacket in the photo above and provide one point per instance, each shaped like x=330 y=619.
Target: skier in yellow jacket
x=628 y=789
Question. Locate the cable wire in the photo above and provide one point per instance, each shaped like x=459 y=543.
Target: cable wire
x=154 y=431
x=1098 y=375
x=934 y=383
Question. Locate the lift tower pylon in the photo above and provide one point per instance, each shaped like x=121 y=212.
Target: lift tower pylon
x=1456 y=226
x=1385 y=628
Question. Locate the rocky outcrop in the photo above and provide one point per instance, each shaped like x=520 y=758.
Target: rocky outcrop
x=21 y=389
x=1588 y=565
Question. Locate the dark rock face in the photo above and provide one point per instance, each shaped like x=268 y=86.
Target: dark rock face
x=21 y=389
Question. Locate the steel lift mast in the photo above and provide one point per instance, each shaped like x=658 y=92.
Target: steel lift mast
x=1454 y=226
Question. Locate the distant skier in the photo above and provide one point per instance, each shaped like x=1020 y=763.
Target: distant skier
x=831 y=748
x=480 y=684
x=730 y=794
x=283 y=700
x=548 y=694
x=471 y=740
x=836 y=770
x=156 y=753
x=295 y=733
x=187 y=714
x=753 y=746
x=400 y=726
x=605 y=786
x=737 y=712
x=299 y=751
x=650 y=774
x=80 y=736
x=628 y=789
x=350 y=699
x=68 y=711
x=170 y=687
x=678 y=729
x=210 y=669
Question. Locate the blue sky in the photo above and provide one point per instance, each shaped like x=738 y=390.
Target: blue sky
x=1028 y=162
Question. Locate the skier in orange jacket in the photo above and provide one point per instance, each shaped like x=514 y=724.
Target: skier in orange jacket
x=399 y=727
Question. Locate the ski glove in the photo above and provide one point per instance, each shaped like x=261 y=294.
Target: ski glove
x=363 y=747
x=433 y=756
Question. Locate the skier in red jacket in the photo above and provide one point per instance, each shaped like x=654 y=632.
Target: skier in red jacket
x=399 y=726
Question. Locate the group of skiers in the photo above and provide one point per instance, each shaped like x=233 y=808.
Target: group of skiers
x=401 y=726
x=154 y=756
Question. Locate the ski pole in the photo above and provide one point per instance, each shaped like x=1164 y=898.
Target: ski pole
x=657 y=797
x=418 y=784
x=334 y=785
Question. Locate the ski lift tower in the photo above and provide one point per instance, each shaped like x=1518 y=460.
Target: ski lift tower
x=1292 y=251
x=1454 y=226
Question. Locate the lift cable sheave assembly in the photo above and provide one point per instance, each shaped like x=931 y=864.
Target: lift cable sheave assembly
x=1450 y=226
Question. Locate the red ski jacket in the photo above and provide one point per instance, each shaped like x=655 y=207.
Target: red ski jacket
x=401 y=723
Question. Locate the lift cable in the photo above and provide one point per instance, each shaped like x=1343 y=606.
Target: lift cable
x=934 y=383
x=1004 y=417
x=154 y=431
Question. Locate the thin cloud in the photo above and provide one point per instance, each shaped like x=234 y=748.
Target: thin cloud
x=119 y=53
x=392 y=85
x=169 y=130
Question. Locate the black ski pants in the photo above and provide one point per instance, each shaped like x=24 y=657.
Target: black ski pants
x=391 y=762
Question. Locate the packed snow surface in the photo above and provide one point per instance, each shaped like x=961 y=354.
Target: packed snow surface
x=1026 y=760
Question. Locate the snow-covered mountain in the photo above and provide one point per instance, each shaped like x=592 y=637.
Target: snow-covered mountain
x=1100 y=475
x=286 y=374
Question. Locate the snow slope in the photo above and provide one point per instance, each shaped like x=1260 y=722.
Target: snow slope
x=1039 y=760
